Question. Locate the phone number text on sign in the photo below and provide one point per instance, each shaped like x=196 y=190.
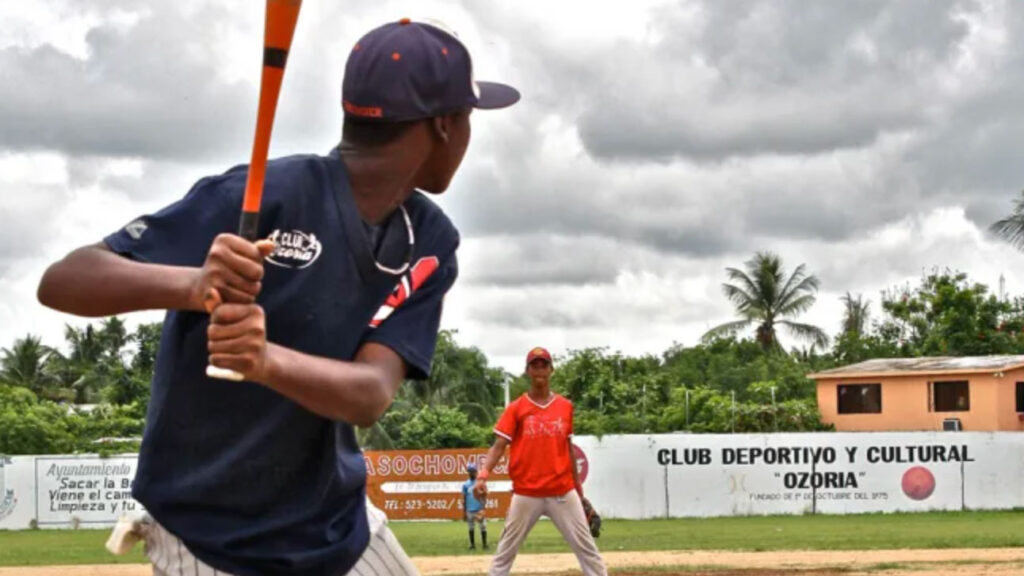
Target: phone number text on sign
x=417 y=506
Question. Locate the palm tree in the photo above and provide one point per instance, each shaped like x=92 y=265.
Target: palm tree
x=855 y=314
x=765 y=297
x=459 y=378
x=25 y=364
x=1011 y=228
x=113 y=337
x=80 y=370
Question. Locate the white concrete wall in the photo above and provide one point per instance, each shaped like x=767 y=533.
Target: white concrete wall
x=833 y=473
x=637 y=476
x=65 y=491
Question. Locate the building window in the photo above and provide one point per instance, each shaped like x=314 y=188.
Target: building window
x=951 y=396
x=1020 y=396
x=860 y=398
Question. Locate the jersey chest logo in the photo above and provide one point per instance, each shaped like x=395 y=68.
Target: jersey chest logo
x=409 y=283
x=537 y=426
x=294 y=248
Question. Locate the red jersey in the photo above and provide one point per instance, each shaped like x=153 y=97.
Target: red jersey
x=540 y=463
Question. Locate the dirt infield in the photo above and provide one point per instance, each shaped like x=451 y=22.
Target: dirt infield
x=946 y=562
x=950 y=562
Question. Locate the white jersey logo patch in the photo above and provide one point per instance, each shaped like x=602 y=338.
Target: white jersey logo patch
x=136 y=228
x=294 y=249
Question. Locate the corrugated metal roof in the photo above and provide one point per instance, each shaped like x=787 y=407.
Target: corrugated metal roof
x=927 y=365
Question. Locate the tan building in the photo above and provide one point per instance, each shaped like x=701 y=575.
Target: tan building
x=979 y=393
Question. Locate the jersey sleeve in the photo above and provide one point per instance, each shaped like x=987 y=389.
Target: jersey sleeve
x=506 y=426
x=181 y=233
x=409 y=320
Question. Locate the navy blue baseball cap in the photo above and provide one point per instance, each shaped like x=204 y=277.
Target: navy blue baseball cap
x=408 y=70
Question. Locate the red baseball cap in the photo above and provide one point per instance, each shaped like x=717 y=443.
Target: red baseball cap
x=540 y=353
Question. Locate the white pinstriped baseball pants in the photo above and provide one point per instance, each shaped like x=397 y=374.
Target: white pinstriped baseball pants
x=383 y=557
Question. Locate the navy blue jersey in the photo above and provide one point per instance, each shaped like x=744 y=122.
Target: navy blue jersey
x=252 y=482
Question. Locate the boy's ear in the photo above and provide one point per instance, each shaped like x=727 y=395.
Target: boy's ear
x=442 y=127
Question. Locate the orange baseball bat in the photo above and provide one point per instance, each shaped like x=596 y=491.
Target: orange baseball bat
x=279 y=29
x=282 y=15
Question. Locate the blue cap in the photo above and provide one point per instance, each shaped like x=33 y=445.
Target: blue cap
x=410 y=70
x=471 y=466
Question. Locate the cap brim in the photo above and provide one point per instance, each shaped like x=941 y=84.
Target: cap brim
x=494 y=95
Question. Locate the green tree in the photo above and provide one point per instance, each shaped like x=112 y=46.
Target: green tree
x=124 y=387
x=80 y=370
x=856 y=312
x=852 y=347
x=1011 y=228
x=96 y=358
x=587 y=377
x=442 y=427
x=612 y=392
x=461 y=378
x=146 y=340
x=729 y=365
x=106 y=428
x=712 y=411
x=24 y=364
x=856 y=342
x=28 y=426
x=129 y=384
x=38 y=383
x=948 y=315
x=765 y=297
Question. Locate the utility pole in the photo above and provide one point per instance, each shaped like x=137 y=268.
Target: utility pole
x=734 y=411
x=687 y=408
x=775 y=412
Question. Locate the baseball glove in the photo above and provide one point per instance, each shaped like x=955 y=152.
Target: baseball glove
x=593 y=518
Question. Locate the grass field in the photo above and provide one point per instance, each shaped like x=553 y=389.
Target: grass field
x=859 y=532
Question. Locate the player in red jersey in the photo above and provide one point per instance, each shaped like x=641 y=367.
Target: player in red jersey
x=538 y=426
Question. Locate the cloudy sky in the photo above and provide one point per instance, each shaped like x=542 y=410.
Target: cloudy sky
x=657 y=143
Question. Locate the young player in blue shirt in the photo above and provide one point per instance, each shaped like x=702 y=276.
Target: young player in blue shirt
x=474 y=509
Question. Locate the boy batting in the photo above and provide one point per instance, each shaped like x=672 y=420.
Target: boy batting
x=323 y=320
